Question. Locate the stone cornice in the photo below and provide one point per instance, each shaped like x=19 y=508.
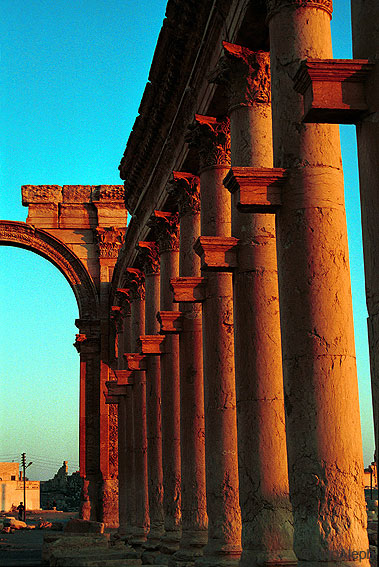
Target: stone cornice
x=210 y=136
x=148 y=253
x=166 y=228
x=274 y=6
x=184 y=188
x=183 y=27
x=246 y=75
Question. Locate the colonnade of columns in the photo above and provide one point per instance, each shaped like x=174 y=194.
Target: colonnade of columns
x=241 y=333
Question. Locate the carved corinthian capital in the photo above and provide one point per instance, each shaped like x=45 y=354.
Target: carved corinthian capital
x=184 y=188
x=109 y=241
x=246 y=75
x=166 y=228
x=135 y=282
x=274 y=6
x=211 y=137
x=148 y=253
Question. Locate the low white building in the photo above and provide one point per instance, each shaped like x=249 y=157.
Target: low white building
x=12 y=489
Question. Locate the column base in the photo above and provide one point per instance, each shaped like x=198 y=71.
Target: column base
x=190 y=548
x=226 y=559
x=109 y=498
x=251 y=558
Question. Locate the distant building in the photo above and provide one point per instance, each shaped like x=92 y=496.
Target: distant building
x=12 y=488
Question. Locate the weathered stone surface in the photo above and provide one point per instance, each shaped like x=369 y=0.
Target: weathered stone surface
x=84 y=526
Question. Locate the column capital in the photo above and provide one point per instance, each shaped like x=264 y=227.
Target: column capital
x=211 y=137
x=87 y=341
x=170 y=322
x=116 y=316
x=246 y=75
x=148 y=252
x=166 y=227
x=123 y=297
x=135 y=282
x=274 y=6
x=185 y=189
x=109 y=241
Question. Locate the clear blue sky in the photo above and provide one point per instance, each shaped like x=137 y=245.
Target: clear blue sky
x=73 y=73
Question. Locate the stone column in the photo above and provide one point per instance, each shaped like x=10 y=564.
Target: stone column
x=124 y=411
x=321 y=395
x=149 y=256
x=87 y=344
x=136 y=284
x=166 y=228
x=267 y=524
x=128 y=497
x=211 y=138
x=184 y=189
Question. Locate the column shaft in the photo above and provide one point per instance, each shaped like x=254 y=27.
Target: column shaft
x=140 y=433
x=185 y=188
x=170 y=383
x=154 y=421
x=321 y=395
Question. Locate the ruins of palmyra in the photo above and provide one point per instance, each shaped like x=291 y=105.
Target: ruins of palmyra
x=216 y=340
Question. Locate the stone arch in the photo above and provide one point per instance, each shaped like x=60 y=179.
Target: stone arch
x=22 y=235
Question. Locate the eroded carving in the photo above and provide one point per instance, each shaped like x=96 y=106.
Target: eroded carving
x=185 y=189
x=109 y=241
x=166 y=228
x=148 y=253
x=211 y=137
x=245 y=73
x=135 y=281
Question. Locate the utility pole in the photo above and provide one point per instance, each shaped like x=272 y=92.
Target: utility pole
x=24 y=467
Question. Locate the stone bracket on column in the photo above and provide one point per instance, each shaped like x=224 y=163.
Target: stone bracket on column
x=135 y=361
x=333 y=89
x=217 y=253
x=124 y=377
x=188 y=289
x=151 y=344
x=258 y=188
x=170 y=321
x=114 y=392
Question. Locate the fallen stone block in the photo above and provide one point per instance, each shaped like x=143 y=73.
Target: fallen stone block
x=84 y=526
x=14 y=524
x=65 y=542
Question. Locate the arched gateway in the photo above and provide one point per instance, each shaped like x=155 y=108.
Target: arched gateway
x=79 y=230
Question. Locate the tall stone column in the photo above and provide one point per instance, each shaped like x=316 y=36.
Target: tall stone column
x=184 y=189
x=267 y=523
x=124 y=418
x=136 y=284
x=87 y=344
x=149 y=256
x=166 y=228
x=211 y=138
x=321 y=395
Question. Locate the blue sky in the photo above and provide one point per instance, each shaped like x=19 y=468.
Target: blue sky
x=73 y=74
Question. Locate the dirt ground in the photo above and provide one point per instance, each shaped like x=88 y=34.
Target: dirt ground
x=23 y=548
